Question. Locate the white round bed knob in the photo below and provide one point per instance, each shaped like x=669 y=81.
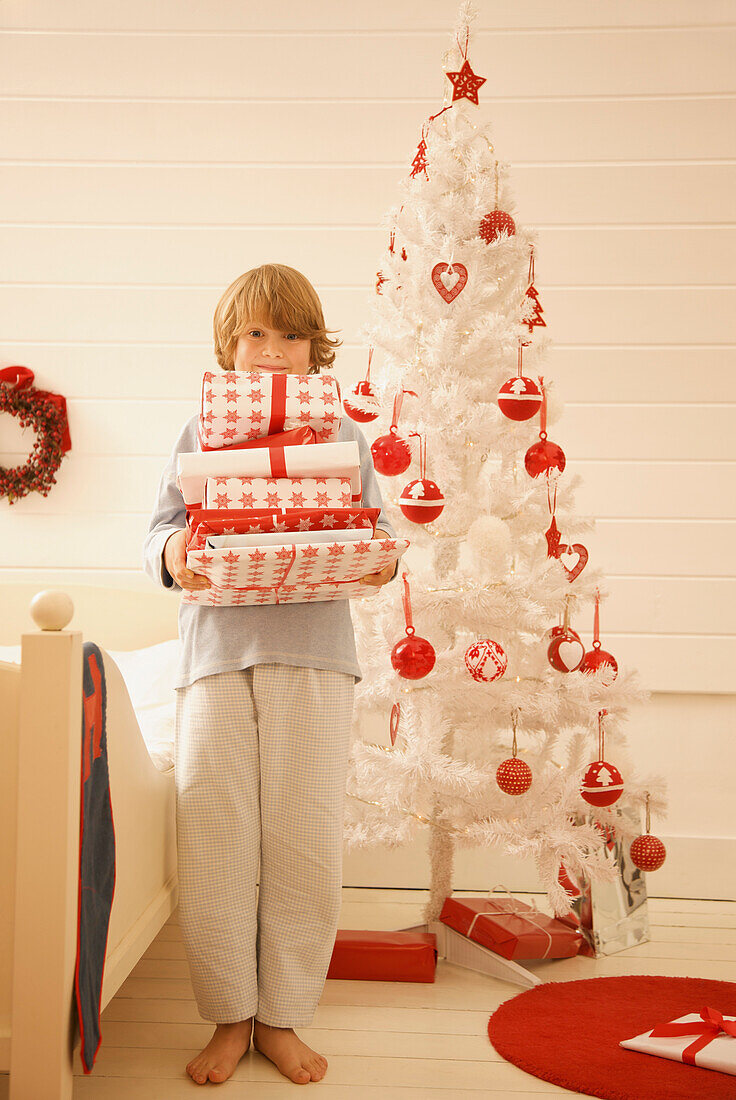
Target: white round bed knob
x=51 y=609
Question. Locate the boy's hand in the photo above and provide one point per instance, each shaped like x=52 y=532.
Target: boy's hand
x=387 y=572
x=175 y=560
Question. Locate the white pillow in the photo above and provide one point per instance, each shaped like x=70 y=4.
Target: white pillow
x=149 y=676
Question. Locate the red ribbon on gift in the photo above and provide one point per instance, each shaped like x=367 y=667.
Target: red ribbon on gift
x=278 y=404
x=712 y=1026
x=21 y=378
x=294 y=437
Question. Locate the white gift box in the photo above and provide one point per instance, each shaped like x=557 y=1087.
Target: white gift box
x=309 y=460
x=293 y=572
x=277 y=492
x=238 y=406
x=279 y=539
x=717 y=1048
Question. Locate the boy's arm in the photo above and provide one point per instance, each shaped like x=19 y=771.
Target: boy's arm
x=169 y=514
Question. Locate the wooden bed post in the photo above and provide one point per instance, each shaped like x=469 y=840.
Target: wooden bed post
x=46 y=894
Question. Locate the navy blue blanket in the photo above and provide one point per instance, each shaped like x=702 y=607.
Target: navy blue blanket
x=96 y=856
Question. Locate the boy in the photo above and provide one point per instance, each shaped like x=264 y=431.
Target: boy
x=263 y=722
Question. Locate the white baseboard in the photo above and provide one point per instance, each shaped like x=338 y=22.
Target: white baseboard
x=696 y=867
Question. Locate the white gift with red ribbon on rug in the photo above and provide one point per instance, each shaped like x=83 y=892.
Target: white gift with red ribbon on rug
x=277 y=492
x=308 y=460
x=237 y=406
x=707 y=1040
x=281 y=571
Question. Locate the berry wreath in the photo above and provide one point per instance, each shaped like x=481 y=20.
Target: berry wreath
x=44 y=412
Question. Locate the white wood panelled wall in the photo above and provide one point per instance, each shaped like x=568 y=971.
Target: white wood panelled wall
x=152 y=152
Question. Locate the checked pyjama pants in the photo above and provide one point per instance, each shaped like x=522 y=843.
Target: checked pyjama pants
x=260 y=770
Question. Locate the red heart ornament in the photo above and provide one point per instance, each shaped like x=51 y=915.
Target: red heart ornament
x=439 y=270
x=576 y=548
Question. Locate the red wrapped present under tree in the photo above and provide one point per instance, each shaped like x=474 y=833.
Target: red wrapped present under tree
x=511 y=928
x=375 y=956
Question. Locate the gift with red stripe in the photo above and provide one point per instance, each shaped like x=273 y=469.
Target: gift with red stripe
x=283 y=493
x=240 y=406
x=325 y=460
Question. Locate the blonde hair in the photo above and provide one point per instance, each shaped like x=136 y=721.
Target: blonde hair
x=278 y=297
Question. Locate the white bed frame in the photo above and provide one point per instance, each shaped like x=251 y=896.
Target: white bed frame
x=41 y=723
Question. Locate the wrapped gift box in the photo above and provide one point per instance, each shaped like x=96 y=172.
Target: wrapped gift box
x=277 y=492
x=215 y=596
x=384 y=956
x=239 y=406
x=511 y=928
x=201 y=523
x=707 y=1039
x=292 y=567
x=327 y=460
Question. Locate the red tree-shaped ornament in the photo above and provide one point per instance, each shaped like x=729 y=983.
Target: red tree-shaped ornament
x=531 y=300
x=412 y=657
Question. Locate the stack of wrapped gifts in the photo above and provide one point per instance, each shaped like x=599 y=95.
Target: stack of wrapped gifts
x=274 y=502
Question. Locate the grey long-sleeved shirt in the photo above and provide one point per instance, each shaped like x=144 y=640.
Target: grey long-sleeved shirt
x=221 y=639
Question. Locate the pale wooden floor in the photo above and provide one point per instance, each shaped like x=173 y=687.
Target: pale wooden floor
x=411 y=1042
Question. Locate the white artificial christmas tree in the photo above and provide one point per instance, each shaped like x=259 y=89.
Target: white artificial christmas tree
x=482 y=569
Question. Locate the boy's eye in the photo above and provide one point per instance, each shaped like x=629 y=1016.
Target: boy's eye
x=289 y=335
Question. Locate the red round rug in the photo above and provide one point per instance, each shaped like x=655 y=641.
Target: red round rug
x=568 y=1033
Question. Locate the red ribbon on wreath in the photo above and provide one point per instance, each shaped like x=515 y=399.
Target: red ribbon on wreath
x=22 y=377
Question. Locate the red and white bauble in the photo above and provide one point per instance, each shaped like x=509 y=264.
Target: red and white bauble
x=391 y=454
x=421 y=500
x=485 y=660
x=413 y=657
x=566 y=650
x=361 y=404
x=598 y=660
x=648 y=853
x=602 y=784
x=520 y=398
x=544 y=457
x=514 y=776
x=494 y=224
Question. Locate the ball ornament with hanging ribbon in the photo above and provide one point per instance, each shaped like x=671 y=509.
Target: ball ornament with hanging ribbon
x=520 y=398
x=544 y=457
x=565 y=650
x=412 y=657
x=361 y=404
x=647 y=852
x=598 y=660
x=602 y=783
x=514 y=776
x=421 y=500
x=494 y=224
x=486 y=661
x=391 y=453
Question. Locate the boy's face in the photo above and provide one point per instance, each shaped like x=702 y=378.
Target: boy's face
x=265 y=349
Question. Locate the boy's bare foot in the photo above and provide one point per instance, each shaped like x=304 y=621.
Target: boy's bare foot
x=288 y=1053
x=219 y=1058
